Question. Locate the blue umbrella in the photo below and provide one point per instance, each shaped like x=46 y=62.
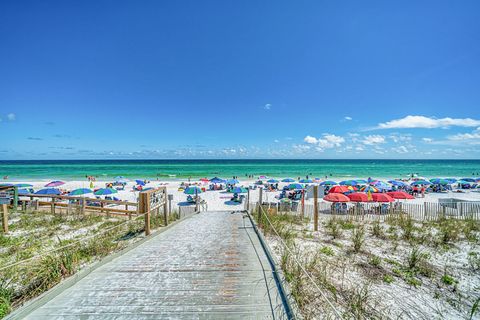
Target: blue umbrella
x=25 y=191
x=6 y=184
x=328 y=183
x=306 y=181
x=105 y=191
x=295 y=186
x=420 y=183
x=361 y=181
x=217 y=180
x=238 y=190
x=452 y=180
x=192 y=190
x=288 y=180
x=23 y=185
x=397 y=183
x=79 y=192
x=231 y=181
x=51 y=191
x=468 y=179
x=440 y=181
x=272 y=181
x=348 y=183
x=140 y=182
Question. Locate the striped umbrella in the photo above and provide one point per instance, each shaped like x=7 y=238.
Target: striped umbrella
x=369 y=189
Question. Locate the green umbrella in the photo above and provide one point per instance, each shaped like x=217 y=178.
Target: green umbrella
x=238 y=190
x=192 y=190
x=80 y=192
x=105 y=191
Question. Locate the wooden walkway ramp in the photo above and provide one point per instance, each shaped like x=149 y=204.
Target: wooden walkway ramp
x=209 y=266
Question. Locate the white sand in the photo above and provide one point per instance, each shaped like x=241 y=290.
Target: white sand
x=219 y=200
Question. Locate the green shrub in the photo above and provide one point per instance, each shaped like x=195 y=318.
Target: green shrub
x=327 y=251
x=375 y=261
x=388 y=279
x=358 y=238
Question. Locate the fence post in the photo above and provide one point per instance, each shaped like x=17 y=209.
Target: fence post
x=425 y=215
x=315 y=208
x=5 y=218
x=144 y=207
x=52 y=206
x=303 y=204
x=248 y=199
x=260 y=200
x=84 y=205
x=165 y=207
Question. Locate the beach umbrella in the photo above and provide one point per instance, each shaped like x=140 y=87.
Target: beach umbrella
x=361 y=181
x=272 y=181
x=369 y=189
x=420 y=183
x=79 y=192
x=397 y=183
x=140 y=182
x=23 y=185
x=468 y=179
x=451 y=180
x=305 y=181
x=381 y=197
x=400 y=195
x=105 y=191
x=348 y=183
x=54 y=184
x=328 y=183
x=294 y=186
x=204 y=180
x=217 y=180
x=358 y=197
x=263 y=177
x=238 y=190
x=22 y=192
x=6 y=185
x=232 y=181
x=440 y=181
x=192 y=190
x=336 y=197
x=288 y=180
x=339 y=189
x=51 y=191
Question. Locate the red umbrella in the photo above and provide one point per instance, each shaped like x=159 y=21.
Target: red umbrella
x=339 y=189
x=204 y=180
x=358 y=197
x=382 y=197
x=336 y=197
x=400 y=195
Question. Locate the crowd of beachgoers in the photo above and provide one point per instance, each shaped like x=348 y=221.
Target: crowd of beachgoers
x=229 y=194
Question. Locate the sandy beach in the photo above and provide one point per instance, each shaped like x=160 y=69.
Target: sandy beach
x=220 y=200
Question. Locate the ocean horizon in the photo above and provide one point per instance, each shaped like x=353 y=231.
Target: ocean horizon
x=171 y=169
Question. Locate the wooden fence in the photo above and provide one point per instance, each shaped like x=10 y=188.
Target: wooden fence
x=379 y=211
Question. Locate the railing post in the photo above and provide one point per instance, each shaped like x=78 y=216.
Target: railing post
x=248 y=199
x=315 y=208
x=52 y=206
x=302 y=214
x=144 y=207
x=5 y=218
x=165 y=208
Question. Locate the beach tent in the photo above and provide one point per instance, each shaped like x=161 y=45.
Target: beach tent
x=51 y=191
x=358 y=197
x=217 y=180
x=54 y=184
x=336 y=197
x=288 y=180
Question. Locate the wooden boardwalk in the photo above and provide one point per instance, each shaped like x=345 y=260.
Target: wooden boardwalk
x=209 y=266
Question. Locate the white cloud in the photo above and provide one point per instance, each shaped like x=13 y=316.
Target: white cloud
x=276 y=141
x=325 y=142
x=348 y=118
x=301 y=148
x=401 y=149
x=427 y=122
x=11 y=116
x=427 y=140
x=474 y=135
x=267 y=106
x=400 y=137
x=373 y=140
x=359 y=148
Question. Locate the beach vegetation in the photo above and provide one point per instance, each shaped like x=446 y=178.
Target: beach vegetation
x=358 y=238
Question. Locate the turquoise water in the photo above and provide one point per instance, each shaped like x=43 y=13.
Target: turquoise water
x=176 y=169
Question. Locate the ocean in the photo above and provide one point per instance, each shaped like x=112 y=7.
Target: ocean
x=181 y=169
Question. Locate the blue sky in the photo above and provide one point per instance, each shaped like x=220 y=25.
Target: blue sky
x=239 y=79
